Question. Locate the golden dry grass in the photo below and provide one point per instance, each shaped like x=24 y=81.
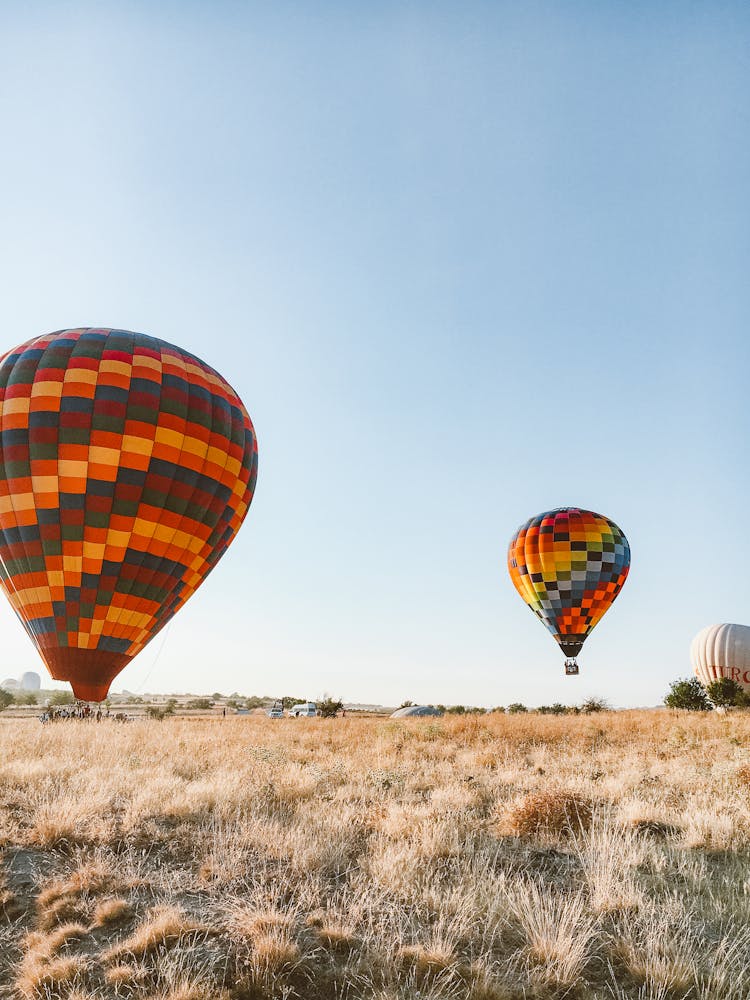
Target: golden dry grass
x=478 y=858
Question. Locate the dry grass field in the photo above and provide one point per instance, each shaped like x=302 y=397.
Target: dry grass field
x=485 y=858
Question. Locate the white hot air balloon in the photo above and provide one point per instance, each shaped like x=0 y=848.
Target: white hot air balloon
x=722 y=651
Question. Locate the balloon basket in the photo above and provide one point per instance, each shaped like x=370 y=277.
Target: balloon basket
x=571 y=668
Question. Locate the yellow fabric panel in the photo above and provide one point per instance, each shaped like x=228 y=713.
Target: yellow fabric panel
x=165 y=435
x=104 y=456
x=19 y=404
x=109 y=366
x=47 y=389
x=72 y=470
x=136 y=445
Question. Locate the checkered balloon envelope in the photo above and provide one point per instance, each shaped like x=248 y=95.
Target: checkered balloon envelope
x=127 y=466
x=569 y=565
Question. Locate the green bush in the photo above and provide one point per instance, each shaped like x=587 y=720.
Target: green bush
x=516 y=707
x=595 y=705
x=688 y=693
x=6 y=698
x=26 y=698
x=61 y=698
x=329 y=707
x=725 y=692
x=289 y=702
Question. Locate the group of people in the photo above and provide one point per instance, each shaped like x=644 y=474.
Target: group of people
x=80 y=710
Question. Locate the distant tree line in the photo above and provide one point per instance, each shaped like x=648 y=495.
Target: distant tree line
x=516 y=708
x=8 y=698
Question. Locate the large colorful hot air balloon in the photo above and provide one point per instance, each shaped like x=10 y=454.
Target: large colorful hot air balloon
x=126 y=468
x=722 y=651
x=569 y=565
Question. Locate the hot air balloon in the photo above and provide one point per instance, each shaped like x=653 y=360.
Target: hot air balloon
x=722 y=651
x=569 y=565
x=127 y=466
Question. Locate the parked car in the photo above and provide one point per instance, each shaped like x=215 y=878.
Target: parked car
x=276 y=711
x=307 y=710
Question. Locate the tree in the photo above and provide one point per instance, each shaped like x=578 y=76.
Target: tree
x=556 y=709
x=688 y=693
x=6 y=698
x=61 y=698
x=328 y=707
x=406 y=704
x=725 y=692
x=595 y=705
x=26 y=698
x=516 y=707
x=203 y=703
x=289 y=702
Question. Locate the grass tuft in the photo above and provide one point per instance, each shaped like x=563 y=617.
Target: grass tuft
x=550 y=812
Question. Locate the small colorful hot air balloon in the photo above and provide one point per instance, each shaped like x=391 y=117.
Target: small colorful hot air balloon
x=722 y=651
x=569 y=565
x=126 y=468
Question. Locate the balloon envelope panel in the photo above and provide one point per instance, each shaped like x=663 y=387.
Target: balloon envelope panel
x=722 y=651
x=569 y=565
x=126 y=469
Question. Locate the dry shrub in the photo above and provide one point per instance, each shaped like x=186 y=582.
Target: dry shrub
x=110 y=912
x=91 y=877
x=742 y=775
x=67 y=899
x=655 y=828
x=247 y=922
x=42 y=969
x=558 y=932
x=123 y=975
x=191 y=991
x=337 y=936
x=484 y=984
x=164 y=925
x=274 y=952
x=39 y=976
x=64 y=818
x=62 y=910
x=43 y=945
x=554 y=812
x=656 y=952
x=425 y=962
x=609 y=854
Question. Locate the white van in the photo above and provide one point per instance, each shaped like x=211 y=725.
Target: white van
x=308 y=710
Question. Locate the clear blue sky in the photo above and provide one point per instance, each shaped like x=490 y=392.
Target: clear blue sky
x=464 y=262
